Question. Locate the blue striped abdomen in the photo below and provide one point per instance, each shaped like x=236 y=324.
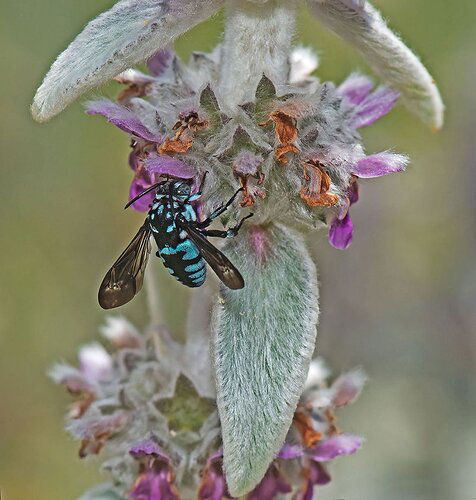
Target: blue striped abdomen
x=185 y=262
x=179 y=254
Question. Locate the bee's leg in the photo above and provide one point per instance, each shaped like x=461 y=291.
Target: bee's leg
x=227 y=233
x=200 y=189
x=197 y=195
x=218 y=211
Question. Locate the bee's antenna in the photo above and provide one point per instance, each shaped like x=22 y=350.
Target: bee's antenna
x=148 y=190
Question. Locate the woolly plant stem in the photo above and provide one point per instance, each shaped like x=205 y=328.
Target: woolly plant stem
x=257 y=41
x=153 y=296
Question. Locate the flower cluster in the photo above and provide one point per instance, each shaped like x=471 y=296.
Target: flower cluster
x=313 y=441
x=296 y=156
x=147 y=415
x=159 y=434
x=253 y=117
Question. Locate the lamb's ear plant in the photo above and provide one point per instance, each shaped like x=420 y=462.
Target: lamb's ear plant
x=239 y=409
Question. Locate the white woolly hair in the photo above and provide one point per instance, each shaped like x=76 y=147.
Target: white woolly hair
x=126 y=34
x=264 y=337
x=391 y=59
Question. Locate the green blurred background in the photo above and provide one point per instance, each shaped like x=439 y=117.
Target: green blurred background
x=400 y=302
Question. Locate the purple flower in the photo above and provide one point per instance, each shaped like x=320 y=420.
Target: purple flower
x=168 y=165
x=77 y=384
x=324 y=451
x=94 y=431
x=271 y=485
x=160 y=61
x=95 y=362
x=374 y=106
x=213 y=485
x=368 y=107
x=346 y=388
x=316 y=475
x=314 y=471
x=156 y=479
x=341 y=232
x=376 y=165
x=140 y=184
x=379 y=164
x=335 y=446
x=356 y=88
x=75 y=381
x=246 y=166
x=124 y=118
x=121 y=333
x=149 y=166
x=315 y=437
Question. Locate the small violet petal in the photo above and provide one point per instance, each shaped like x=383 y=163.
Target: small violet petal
x=160 y=61
x=291 y=451
x=376 y=105
x=75 y=381
x=341 y=233
x=167 y=165
x=148 y=447
x=95 y=362
x=122 y=117
x=153 y=485
x=272 y=484
x=347 y=388
x=213 y=485
x=133 y=160
x=247 y=163
x=319 y=476
x=356 y=88
x=353 y=193
x=336 y=446
x=137 y=187
x=121 y=333
x=380 y=164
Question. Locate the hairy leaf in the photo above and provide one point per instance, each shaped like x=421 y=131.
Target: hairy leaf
x=363 y=27
x=264 y=337
x=196 y=359
x=101 y=492
x=128 y=33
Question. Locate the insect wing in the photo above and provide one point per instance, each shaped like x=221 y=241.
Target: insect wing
x=124 y=280
x=224 y=269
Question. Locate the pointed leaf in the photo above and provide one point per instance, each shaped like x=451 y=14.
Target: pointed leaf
x=264 y=337
x=128 y=33
x=101 y=492
x=266 y=89
x=209 y=103
x=391 y=59
x=265 y=94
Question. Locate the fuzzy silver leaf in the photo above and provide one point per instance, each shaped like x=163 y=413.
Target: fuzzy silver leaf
x=392 y=60
x=126 y=34
x=264 y=337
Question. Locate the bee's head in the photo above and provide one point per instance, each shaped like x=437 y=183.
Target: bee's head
x=180 y=190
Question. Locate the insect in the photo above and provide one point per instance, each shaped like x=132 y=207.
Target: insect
x=182 y=245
